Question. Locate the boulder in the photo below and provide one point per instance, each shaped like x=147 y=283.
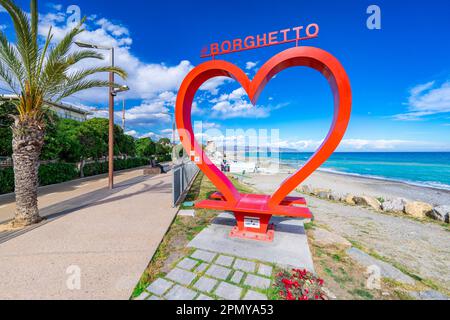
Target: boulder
x=441 y=213
x=324 y=238
x=322 y=193
x=350 y=199
x=394 y=205
x=367 y=201
x=306 y=189
x=336 y=196
x=418 y=209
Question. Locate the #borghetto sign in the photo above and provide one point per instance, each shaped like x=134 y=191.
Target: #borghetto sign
x=273 y=38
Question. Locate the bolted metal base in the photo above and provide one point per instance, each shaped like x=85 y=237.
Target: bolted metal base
x=269 y=236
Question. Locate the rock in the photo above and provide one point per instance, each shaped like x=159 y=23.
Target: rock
x=418 y=209
x=367 y=201
x=330 y=295
x=336 y=196
x=441 y=213
x=306 y=189
x=322 y=193
x=324 y=238
x=394 y=205
x=350 y=199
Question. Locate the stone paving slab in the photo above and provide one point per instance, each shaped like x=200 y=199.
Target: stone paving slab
x=201 y=268
x=265 y=270
x=187 y=264
x=180 y=293
x=257 y=282
x=160 y=286
x=289 y=249
x=228 y=291
x=218 y=272
x=225 y=261
x=237 y=277
x=255 y=296
x=244 y=265
x=203 y=255
x=213 y=283
x=181 y=276
x=205 y=284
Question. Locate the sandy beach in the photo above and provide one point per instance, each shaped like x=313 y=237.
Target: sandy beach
x=356 y=185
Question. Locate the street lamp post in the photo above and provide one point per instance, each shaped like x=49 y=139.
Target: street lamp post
x=112 y=92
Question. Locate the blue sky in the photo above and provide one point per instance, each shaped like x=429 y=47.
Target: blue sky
x=400 y=74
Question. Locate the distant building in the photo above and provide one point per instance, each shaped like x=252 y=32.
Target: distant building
x=63 y=110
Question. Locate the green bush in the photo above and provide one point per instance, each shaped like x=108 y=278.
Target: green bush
x=6 y=180
x=54 y=173
x=96 y=168
x=93 y=169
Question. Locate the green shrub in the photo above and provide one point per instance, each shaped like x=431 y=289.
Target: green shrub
x=54 y=173
x=6 y=180
x=93 y=169
x=51 y=173
x=96 y=168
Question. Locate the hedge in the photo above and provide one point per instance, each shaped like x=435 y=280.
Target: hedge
x=6 y=180
x=57 y=173
x=54 y=173
x=97 y=168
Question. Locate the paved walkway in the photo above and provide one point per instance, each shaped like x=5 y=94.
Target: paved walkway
x=207 y=275
x=96 y=244
x=59 y=197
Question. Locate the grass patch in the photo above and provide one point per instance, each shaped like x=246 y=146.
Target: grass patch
x=366 y=295
x=347 y=280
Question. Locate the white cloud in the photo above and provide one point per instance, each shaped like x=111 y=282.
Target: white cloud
x=3 y=27
x=238 y=109
x=237 y=105
x=146 y=80
x=155 y=84
x=132 y=133
x=2 y=9
x=250 y=65
x=54 y=6
x=427 y=99
x=114 y=29
x=212 y=85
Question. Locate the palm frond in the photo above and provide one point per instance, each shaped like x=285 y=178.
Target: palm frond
x=81 y=86
x=11 y=58
x=25 y=45
x=7 y=77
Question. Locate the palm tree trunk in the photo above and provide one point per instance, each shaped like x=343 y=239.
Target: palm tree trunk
x=28 y=139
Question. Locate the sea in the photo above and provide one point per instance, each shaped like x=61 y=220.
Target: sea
x=429 y=169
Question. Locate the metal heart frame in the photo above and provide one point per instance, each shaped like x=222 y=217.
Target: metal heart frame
x=311 y=57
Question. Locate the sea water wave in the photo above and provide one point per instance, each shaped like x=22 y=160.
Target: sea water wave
x=421 y=169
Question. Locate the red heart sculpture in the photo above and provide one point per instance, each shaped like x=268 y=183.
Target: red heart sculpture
x=315 y=58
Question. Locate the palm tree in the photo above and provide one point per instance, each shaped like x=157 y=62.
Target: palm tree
x=38 y=74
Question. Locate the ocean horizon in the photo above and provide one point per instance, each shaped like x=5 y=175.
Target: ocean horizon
x=429 y=169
